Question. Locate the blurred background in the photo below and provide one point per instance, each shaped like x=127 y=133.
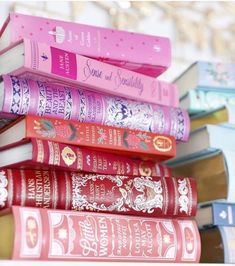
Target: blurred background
x=197 y=30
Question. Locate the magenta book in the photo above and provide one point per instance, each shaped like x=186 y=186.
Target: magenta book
x=24 y=96
x=47 y=63
x=150 y=55
x=44 y=234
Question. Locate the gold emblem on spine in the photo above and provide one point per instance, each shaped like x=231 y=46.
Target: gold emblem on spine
x=162 y=143
x=68 y=155
x=144 y=170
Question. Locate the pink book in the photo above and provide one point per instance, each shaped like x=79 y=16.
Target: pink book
x=44 y=234
x=150 y=55
x=46 y=63
x=24 y=96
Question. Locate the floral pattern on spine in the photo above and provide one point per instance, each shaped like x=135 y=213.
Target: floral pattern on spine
x=141 y=194
x=67 y=103
x=102 y=136
x=46 y=128
x=134 y=115
x=139 y=140
x=73 y=132
x=215 y=74
x=218 y=73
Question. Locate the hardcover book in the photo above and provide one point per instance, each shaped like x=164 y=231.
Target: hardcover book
x=24 y=96
x=222 y=115
x=36 y=153
x=44 y=234
x=214 y=213
x=140 y=196
x=205 y=140
x=47 y=63
x=214 y=174
x=196 y=101
x=135 y=143
x=217 y=245
x=207 y=76
x=121 y=48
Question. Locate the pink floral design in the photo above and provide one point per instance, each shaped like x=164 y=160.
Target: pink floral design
x=46 y=128
x=63 y=131
x=134 y=141
x=102 y=136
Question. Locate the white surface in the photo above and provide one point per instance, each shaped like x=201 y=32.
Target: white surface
x=66 y=263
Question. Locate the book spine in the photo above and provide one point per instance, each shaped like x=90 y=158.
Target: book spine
x=121 y=48
x=55 y=65
x=105 y=138
x=23 y=96
x=203 y=101
x=140 y=196
x=74 y=158
x=216 y=76
x=223 y=214
x=67 y=235
x=161 y=170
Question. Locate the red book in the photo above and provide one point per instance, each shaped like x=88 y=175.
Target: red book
x=45 y=234
x=142 y=196
x=135 y=143
x=36 y=153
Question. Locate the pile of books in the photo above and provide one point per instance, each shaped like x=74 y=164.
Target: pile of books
x=207 y=90
x=85 y=129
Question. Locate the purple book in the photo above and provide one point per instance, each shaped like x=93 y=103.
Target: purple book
x=24 y=96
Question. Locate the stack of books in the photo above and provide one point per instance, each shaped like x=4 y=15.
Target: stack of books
x=207 y=91
x=205 y=86
x=89 y=131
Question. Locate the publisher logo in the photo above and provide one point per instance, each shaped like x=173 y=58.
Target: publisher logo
x=44 y=57
x=68 y=155
x=144 y=169
x=162 y=143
